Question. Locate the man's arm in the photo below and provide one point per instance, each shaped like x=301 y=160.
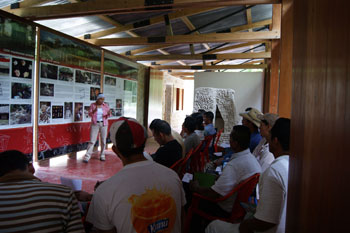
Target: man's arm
x=204 y=191
x=252 y=225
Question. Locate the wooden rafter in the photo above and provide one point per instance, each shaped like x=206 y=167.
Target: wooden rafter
x=189 y=39
x=103 y=7
x=201 y=56
x=146 y=23
x=239 y=28
x=181 y=73
x=27 y=3
x=190 y=26
x=218 y=67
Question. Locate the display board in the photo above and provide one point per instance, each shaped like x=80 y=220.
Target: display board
x=70 y=79
x=120 y=85
x=17 y=48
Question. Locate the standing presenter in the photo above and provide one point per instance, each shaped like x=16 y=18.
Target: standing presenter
x=99 y=113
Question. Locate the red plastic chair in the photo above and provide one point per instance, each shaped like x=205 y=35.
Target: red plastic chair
x=218 y=135
x=243 y=190
x=196 y=164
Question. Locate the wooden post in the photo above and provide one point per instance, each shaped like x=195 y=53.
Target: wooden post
x=285 y=90
x=36 y=97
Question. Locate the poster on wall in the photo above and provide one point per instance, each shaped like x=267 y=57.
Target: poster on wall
x=70 y=77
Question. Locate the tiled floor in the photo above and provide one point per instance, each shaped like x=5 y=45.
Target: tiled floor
x=51 y=170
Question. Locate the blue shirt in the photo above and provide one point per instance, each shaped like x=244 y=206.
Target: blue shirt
x=254 y=140
x=209 y=130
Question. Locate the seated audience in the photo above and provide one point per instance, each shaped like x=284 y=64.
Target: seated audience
x=262 y=152
x=192 y=140
x=179 y=139
x=199 y=125
x=29 y=205
x=142 y=197
x=209 y=129
x=251 y=120
x=241 y=166
x=170 y=150
x=270 y=214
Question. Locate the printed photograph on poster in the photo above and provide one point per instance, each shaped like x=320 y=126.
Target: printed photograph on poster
x=110 y=81
x=21 y=91
x=119 y=103
x=94 y=91
x=47 y=89
x=48 y=71
x=134 y=99
x=57 y=111
x=4 y=114
x=86 y=112
x=20 y=114
x=21 y=68
x=66 y=74
x=112 y=112
x=78 y=111
x=95 y=79
x=68 y=110
x=82 y=77
x=127 y=85
x=118 y=112
x=4 y=65
x=45 y=112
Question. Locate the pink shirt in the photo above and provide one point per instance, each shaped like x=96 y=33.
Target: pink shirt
x=105 y=113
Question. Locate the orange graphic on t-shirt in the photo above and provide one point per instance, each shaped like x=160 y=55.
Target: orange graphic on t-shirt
x=153 y=211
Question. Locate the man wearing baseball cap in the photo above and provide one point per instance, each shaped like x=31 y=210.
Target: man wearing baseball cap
x=251 y=120
x=99 y=113
x=143 y=196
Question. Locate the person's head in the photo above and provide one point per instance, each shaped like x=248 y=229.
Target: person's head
x=189 y=125
x=267 y=122
x=100 y=98
x=128 y=137
x=251 y=120
x=161 y=130
x=279 y=137
x=13 y=160
x=208 y=117
x=239 y=138
x=201 y=111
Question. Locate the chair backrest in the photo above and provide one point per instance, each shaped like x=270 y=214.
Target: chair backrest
x=244 y=190
x=196 y=163
x=218 y=135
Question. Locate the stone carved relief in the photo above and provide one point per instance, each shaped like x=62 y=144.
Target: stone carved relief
x=209 y=98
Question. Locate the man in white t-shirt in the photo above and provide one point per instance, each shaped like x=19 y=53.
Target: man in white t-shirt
x=142 y=197
x=270 y=216
x=241 y=166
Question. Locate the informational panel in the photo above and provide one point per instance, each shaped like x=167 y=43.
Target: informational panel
x=120 y=86
x=70 y=79
x=17 y=48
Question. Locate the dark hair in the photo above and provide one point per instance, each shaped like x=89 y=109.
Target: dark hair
x=248 y=109
x=160 y=126
x=125 y=141
x=190 y=124
x=281 y=131
x=241 y=134
x=199 y=122
x=209 y=115
x=12 y=160
x=201 y=111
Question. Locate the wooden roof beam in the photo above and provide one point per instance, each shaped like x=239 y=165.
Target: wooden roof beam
x=103 y=7
x=146 y=23
x=218 y=67
x=152 y=48
x=189 y=39
x=201 y=56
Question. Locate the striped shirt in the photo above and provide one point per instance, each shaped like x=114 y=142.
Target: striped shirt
x=29 y=205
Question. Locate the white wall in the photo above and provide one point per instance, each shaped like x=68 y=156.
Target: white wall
x=248 y=86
